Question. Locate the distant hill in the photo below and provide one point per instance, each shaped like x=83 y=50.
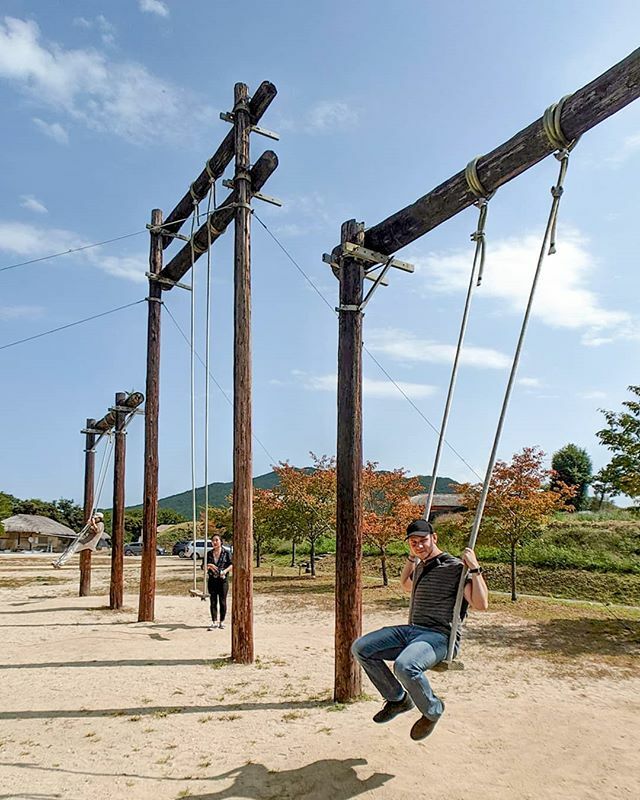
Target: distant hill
x=218 y=492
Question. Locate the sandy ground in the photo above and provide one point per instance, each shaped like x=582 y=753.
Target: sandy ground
x=93 y=704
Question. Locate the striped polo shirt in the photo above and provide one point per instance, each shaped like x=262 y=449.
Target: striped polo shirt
x=434 y=594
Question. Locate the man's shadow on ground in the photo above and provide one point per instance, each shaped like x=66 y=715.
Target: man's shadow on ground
x=329 y=779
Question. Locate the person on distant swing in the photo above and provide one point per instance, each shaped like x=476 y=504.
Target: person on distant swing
x=94 y=532
x=432 y=576
x=218 y=567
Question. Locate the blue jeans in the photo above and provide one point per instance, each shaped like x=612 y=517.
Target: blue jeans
x=413 y=650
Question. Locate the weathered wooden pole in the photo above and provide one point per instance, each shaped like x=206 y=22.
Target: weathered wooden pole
x=242 y=611
x=116 y=590
x=348 y=590
x=89 y=478
x=217 y=223
x=146 y=605
x=216 y=165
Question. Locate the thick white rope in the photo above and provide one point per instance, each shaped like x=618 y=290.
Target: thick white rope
x=192 y=347
x=207 y=393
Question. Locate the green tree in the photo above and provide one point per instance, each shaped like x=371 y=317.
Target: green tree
x=167 y=516
x=69 y=513
x=307 y=507
x=572 y=467
x=133 y=524
x=622 y=438
x=7 y=502
x=518 y=505
x=605 y=484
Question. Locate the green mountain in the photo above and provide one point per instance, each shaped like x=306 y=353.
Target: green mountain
x=219 y=492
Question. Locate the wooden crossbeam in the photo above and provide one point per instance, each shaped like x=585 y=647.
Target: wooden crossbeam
x=585 y=109
x=218 y=162
x=180 y=264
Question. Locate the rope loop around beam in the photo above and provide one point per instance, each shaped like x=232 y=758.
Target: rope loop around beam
x=552 y=127
x=473 y=181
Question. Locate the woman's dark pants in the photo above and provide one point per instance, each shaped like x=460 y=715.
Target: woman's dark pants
x=218 y=588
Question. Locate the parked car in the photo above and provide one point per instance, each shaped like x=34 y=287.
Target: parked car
x=188 y=553
x=199 y=552
x=135 y=549
x=179 y=549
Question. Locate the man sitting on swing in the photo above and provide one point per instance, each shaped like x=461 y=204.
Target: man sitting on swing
x=432 y=576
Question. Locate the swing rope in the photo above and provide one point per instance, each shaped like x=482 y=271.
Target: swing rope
x=192 y=347
x=475 y=279
x=207 y=391
x=556 y=192
x=97 y=492
x=195 y=251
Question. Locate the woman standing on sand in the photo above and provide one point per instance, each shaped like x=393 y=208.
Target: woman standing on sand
x=218 y=567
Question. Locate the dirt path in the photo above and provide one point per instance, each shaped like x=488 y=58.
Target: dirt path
x=94 y=704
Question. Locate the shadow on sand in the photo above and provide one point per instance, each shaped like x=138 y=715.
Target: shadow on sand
x=328 y=779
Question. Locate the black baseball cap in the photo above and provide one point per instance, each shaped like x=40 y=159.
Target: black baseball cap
x=419 y=527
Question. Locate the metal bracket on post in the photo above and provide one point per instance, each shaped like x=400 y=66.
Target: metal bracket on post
x=126 y=410
x=374 y=260
x=166 y=281
x=227 y=116
x=229 y=184
x=164 y=232
x=328 y=259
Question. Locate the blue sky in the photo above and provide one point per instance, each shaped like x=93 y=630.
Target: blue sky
x=111 y=109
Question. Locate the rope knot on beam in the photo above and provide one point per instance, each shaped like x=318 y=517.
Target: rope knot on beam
x=551 y=124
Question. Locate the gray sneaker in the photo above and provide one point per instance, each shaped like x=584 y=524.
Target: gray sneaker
x=212 y=627
x=221 y=625
x=392 y=709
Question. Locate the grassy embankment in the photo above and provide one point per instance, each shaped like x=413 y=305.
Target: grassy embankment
x=581 y=556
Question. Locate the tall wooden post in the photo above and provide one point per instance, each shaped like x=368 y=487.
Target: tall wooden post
x=348 y=597
x=89 y=478
x=116 y=590
x=242 y=612
x=146 y=604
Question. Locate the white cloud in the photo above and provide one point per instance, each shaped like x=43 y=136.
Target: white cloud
x=629 y=147
x=106 y=29
x=405 y=346
x=328 y=116
x=530 y=383
x=123 y=98
x=563 y=297
x=154 y=7
x=32 y=203
x=53 y=130
x=20 y=312
x=310 y=212
x=370 y=387
x=596 y=394
x=28 y=241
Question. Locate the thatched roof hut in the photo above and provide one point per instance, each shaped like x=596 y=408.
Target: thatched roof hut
x=33 y=531
x=443 y=502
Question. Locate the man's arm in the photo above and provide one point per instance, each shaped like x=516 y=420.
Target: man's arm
x=476 y=592
x=407 y=573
